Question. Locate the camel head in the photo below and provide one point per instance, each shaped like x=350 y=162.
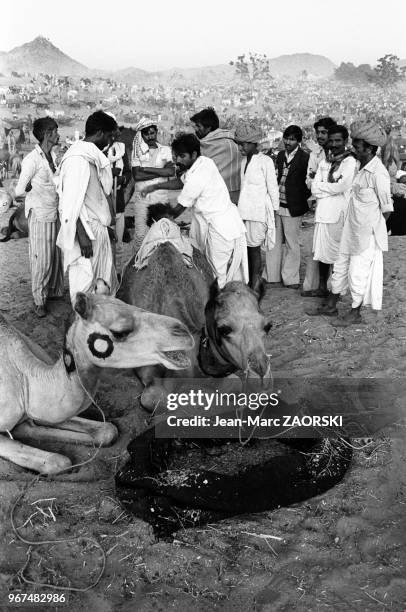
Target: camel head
x=110 y=334
x=235 y=321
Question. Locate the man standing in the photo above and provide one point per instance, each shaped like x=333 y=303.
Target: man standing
x=151 y=164
x=217 y=229
x=291 y=166
x=331 y=188
x=41 y=210
x=364 y=238
x=218 y=144
x=259 y=198
x=311 y=283
x=85 y=182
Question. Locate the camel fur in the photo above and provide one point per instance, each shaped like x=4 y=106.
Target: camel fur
x=42 y=400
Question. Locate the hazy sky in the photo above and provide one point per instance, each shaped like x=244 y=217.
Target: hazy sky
x=166 y=33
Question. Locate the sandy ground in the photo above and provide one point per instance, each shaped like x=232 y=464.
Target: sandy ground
x=344 y=550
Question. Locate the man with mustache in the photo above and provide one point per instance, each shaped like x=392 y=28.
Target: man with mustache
x=331 y=187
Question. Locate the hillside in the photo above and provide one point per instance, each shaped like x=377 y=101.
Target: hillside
x=40 y=55
x=293 y=65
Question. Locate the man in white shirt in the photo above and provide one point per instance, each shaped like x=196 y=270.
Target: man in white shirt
x=364 y=237
x=41 y=210
x=85 y=183
x=217 y=229
x=259 y=198
x=151 y=164
x=311 y=280
x=331 y=187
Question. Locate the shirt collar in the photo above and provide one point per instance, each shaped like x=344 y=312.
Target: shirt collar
x=292 y=154
x=371 y=166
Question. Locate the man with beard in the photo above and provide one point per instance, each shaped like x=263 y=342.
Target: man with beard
x=85 y=183
x=218 y=144
x=331 y=187
x=359 y=265
x=311 y=283
x=217 y=229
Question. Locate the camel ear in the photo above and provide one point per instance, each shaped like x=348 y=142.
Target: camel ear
x=83 y=305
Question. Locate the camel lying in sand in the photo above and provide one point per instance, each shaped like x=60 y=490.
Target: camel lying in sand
x=17 y=226
x=104 y=333
x=234 y=328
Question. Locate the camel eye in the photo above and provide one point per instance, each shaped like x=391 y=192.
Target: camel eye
x=267 y=327
x=225 y=330
x=120 y=335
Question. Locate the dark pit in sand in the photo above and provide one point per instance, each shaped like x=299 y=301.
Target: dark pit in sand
x=174 y=484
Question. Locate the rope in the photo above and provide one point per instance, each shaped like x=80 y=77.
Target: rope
x=32 y=543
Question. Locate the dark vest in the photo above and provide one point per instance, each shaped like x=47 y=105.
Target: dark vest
x=296 y=189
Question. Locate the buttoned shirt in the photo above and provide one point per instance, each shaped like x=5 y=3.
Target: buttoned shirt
x=370 y=198
x=43 y=197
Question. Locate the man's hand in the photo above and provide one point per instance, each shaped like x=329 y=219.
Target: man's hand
x=116 y=171
x=312 y=174
x=86 y=247
x=148 y=189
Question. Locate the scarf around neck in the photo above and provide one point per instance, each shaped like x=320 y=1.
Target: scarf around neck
x=335 y=161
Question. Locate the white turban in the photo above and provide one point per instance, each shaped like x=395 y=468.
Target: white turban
x=140 y=147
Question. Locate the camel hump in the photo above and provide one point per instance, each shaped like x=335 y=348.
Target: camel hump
x=168 y=285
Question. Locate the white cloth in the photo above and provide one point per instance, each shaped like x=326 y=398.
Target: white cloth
x=315 y=158
x=362 y=274
x=84 y=272
x=162 y=231
x=259 y=195
x=85 y=179
x=331 y=208
x=326 y=241
x=43 y=197
x=152 y=158
x=333 y=198
x=256 y=233
x=205 y=192
x=115 y=155
x=370 y=197
x=227 y=258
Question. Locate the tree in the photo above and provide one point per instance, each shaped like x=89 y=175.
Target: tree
x=252 y=69
x=348 y=73
x=387 y=72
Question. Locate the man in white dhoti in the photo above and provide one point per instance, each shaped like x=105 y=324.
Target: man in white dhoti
x=311 y=280
x=364 y=238
x=85 y=181
x=217 y=229
x=259 y=198
x=331 y=187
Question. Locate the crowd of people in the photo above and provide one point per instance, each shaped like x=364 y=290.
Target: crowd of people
x=246 y=205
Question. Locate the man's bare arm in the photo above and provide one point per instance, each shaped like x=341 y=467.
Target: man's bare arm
x=85 y=243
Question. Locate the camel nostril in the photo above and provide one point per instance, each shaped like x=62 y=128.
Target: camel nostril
x=258 y=365
x=180 y=331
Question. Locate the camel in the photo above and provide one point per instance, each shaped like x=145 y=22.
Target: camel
x=17 y=225
x=40 y=400
x=234 y=328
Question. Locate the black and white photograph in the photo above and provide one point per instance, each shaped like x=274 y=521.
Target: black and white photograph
x=203 y=306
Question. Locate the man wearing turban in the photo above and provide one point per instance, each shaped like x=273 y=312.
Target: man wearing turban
x=259 y=198
x=359 y=265
x=151 y=163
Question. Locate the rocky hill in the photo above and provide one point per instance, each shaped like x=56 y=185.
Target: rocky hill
x=40 y=55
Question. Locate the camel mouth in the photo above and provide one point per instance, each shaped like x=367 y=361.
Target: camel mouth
x=175 y=360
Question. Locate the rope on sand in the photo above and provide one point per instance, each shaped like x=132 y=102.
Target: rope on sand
x=32 y=543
